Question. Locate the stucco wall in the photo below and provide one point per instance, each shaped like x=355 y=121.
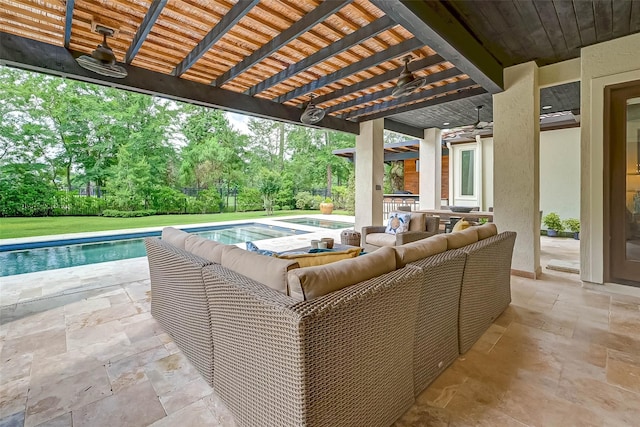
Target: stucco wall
x=560 y=172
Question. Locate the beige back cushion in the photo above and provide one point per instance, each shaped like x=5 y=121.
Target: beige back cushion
x=410 y=252
x=269 y=271
x=486 y=230
x=462 y=238
x=174 y=236
x=312 y=282
x=205 y=248
x=418 y=222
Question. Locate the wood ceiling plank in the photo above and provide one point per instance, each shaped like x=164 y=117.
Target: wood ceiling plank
x=143 y=30
x=237 y=12
x=434 y=25
x=45 y=58
x=50 y=17
x=533 y=26
x=549 y=20
x=622 y=11
x=568 y=23
x=347 y=42
x=300 y=27
x=586 y=22
x=391 y=53
x=430 y=102
x=397 y=102
x=603 y=19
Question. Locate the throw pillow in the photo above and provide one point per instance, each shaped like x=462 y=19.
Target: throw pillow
x=251 y=247
x=398 y=222
x=463 y=224
x=321 y=258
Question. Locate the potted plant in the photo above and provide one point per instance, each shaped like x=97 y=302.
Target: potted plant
x=553 y=223
x=573 y=224
x=326 y=207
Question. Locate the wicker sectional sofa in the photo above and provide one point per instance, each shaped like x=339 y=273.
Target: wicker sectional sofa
x=354 y=355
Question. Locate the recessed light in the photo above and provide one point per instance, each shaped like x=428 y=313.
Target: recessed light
x=547 y=107
x=446 y=123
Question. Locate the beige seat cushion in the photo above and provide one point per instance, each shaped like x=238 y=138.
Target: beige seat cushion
x=174 y=236
x=486 y=230
x=381 y=239
x=463 y=224
x=418 y=222
x=269 y=271
x=205 y=248
x=462 y=238
x=312 y=282
x=410 y=252
x=321 y=258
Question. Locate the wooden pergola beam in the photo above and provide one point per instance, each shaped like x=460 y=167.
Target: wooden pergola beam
x=350 y=40
x=300 y=27
x=431 y=78
x=231 y=18
x=433 y=24
x=403 y=128
x=145 y=27
x=396 y=102
x=45 y=58
x=68 y=21
x=368 y=62
x=427 y=103
x=417 y=65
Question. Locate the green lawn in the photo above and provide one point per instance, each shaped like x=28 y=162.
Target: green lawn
x=27 y=227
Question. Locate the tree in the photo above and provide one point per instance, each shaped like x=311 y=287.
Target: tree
x=269 y=187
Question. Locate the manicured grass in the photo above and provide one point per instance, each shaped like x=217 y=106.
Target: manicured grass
x=28 y=227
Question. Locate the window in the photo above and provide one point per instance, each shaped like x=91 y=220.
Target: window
x=467 y=172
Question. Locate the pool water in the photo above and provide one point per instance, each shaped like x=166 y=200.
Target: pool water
x=71 y=255
x=324 y=223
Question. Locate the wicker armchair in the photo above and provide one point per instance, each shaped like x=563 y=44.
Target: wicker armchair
x=421 y=226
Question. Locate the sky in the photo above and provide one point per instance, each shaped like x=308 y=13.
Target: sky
x=239 y=121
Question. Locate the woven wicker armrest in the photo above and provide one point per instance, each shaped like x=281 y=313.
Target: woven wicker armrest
x=412 y=236
x=178 y=301
x=282 y=363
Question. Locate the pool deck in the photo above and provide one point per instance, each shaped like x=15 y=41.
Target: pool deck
x=30 y=287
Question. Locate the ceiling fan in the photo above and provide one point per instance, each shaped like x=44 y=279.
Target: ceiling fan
x=481 y=124
x=407 y=83
x=102 y=60
x=312 y=114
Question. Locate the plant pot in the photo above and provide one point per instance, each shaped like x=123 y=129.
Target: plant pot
x=552 y=233
x=326 y=208
x=576 y=235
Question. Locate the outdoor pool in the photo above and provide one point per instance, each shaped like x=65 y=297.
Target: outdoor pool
x=40 y=256
x=324 y=223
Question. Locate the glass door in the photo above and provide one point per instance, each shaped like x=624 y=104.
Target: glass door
x=624 y=183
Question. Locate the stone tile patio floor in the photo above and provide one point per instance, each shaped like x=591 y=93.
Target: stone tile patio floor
x=90 y=354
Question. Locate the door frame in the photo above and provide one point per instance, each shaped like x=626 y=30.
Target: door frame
x=614 y=182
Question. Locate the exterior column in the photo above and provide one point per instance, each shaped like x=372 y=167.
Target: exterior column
x=431 y=169
x=516 y=165
x=369 y=173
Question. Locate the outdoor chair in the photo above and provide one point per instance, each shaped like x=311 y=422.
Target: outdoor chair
x=421 y=226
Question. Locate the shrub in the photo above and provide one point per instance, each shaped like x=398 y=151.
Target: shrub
x=249 y=199
x=286 y=208
x=113 y=213
x=315 y=202
x=553 y=222
x=304 y=200
x=276 y=207
x=168 y=200
x=572 y=224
